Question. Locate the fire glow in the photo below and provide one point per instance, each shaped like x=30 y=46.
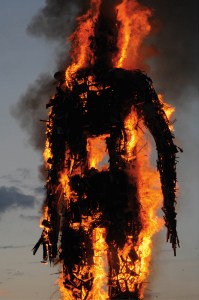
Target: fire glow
x=102 y=192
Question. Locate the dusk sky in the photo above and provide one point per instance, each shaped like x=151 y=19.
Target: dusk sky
x=23 y=57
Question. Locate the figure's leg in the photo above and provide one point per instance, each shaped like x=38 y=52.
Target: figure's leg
x=123 y=212
x=77 y=255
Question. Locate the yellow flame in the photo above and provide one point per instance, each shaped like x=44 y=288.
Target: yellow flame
x=96 y=147
x=150 y=195
x=65 y=293
x=134 y=27
x=131 y=133
x=81 y=53
x=64 y=180
x=99 y=291
x=47 y=151
x=168 y=109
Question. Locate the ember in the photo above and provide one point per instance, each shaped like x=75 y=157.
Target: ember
x=102 y=193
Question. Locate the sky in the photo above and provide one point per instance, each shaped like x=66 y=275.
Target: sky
x=23 y=57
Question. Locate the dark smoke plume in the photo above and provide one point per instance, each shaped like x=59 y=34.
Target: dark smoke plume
x=31 y=108
x=54 y=22
x=176 y=66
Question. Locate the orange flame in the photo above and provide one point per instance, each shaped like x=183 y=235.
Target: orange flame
x=97 y=152
x=96 y=148
x=134 y=28
x=168 y=109
x=65 y=294
x=44 y=217
x=150 y=195
x=99 y=290
x=64 y=180
x=131 y=133
x=47 y=150
x=81 y=54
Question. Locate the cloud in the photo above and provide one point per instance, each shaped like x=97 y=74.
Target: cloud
x=11 y=247
x=12 y=197
x=39 y=190
x=18 y=176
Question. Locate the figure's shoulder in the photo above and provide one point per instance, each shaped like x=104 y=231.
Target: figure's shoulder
x=126 y=81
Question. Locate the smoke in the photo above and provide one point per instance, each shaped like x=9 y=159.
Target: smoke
x=176 y=66
x=54 y=22
x=31 y=108
x=56 y=19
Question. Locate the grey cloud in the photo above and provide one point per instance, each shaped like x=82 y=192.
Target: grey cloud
x=39 y=190
x=23 y=172
x=17 y=176
x=12 y=197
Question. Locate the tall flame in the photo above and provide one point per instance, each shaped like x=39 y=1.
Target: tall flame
x=150 y=195
x=134 y=28
x=96 y=153
x=99 y=268
x=81 y=55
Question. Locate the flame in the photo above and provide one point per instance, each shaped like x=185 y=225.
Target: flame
x=97 y=152
x=99 y=291
x=150 y=195
x=65 y=191
x=47 y=150
x=45 y=216
x=134 y=28
x=131 y=133
x=81 y=54
x=96 y=148
x=65 y=294
x=168 y=109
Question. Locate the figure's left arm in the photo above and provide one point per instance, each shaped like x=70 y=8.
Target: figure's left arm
x=156 y=121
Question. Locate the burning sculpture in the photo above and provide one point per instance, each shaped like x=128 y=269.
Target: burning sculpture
x=100 y=187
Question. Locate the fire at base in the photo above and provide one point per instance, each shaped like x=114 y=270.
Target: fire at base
x=102 y=194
